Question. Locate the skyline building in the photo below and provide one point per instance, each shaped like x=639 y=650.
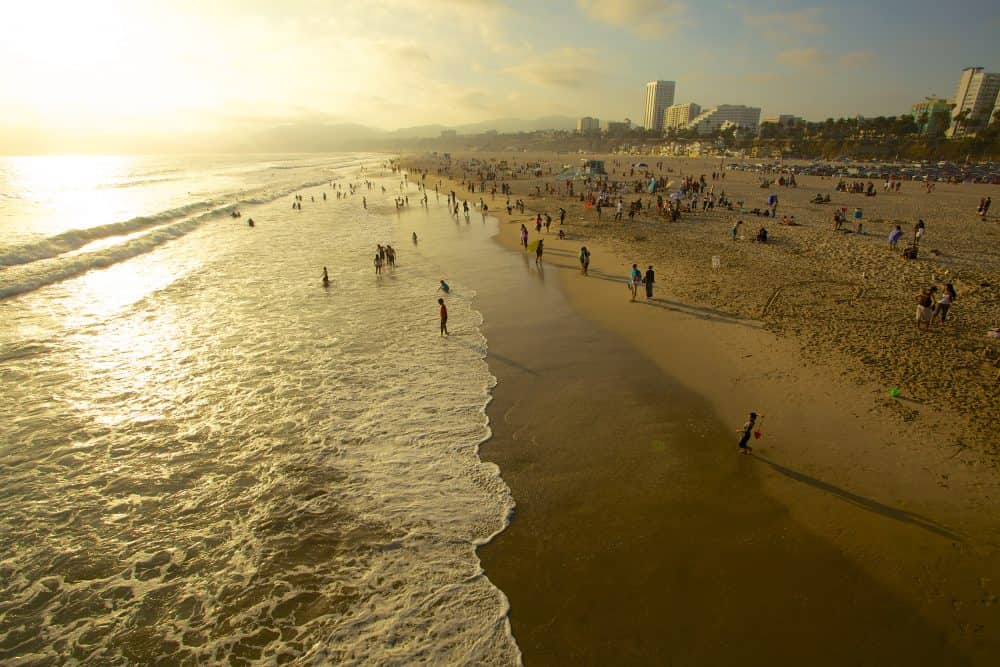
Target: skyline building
x=976 y=93
x=659 y=96
x=738 y=115
x=679 y=115
x=587 y=124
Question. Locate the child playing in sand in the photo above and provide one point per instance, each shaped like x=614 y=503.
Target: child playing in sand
x=747 y=431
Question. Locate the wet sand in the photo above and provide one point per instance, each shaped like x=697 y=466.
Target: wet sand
x=641 y=536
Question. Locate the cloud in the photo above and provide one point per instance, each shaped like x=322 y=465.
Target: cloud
x=646 y=18
x=412 y=52
x=799 y=23
x=857 y=58
x=762 y=77
x=801 y=57
x=564 y=68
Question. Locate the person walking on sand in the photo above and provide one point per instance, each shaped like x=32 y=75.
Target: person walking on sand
x=894 y=237
x=944 y=303
x=736 y=229
x=524 y=236
x=924 y=313
x=649 y=279
x=539 y=250
x=444 y=318
x=747 y=431
x=538 y=223
x=584 y=260
x=635 y=277
x=378 y=264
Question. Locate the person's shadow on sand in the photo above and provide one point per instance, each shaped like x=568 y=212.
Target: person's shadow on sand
x=862 y=502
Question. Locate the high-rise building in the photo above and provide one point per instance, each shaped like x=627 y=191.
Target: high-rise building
x=659 y=96
x=737 y=115
x=679 y=115
x=929 y=107
x=586 y=125
x=976 y=94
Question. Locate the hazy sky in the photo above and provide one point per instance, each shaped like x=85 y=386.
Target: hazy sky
x=107 y=68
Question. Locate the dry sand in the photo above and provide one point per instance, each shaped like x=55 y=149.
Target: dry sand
x=904 y=492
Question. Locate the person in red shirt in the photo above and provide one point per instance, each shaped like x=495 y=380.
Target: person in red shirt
x=444 y=318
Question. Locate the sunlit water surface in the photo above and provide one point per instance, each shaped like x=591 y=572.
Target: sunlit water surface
x=206 y=456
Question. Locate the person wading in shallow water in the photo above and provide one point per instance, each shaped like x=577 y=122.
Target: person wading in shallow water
x=444 y=318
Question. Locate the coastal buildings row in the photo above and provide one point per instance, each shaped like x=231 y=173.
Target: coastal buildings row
x=661 y=114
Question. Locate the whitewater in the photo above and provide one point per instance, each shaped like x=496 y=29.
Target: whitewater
x=209 y=457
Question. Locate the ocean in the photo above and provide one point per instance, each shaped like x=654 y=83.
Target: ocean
x=206 y=456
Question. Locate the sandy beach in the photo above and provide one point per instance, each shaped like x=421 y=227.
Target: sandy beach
x=863 y=527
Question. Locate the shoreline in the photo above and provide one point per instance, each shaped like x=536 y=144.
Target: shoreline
x=859 y=508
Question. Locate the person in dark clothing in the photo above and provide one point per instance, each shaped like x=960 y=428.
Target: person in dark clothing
x=649 y=279
x=747 y=431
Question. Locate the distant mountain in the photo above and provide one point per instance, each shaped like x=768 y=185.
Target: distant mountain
x=323 y=137
x=313 y=137
x=504 y=125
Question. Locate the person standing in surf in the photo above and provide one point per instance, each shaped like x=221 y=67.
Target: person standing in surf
x=444 y=318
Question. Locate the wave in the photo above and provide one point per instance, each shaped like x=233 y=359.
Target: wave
x=51 y=264
x=73 y=239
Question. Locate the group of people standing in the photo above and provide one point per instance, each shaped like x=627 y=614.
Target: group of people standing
x=933 y=306
x=384 y=256
x=637 y=278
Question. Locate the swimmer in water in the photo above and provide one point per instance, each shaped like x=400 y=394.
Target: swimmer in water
x=326 y=278
x=444 y=287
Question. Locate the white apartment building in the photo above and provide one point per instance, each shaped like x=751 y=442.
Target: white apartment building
x=976 y=93
x=679 y=115
x=710 y=120
x=587 y=125
x=659 y=96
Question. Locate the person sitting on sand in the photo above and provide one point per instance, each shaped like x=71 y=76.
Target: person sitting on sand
x=562 y=234
x=444 y=287
x=250 y=222
x=762 y=235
